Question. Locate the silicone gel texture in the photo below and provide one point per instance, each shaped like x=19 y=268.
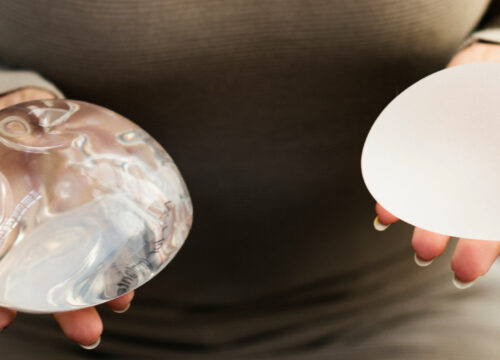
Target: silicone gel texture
x=91 y=206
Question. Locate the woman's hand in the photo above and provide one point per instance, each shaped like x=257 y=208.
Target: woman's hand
x=472 y=258
x=82 y=326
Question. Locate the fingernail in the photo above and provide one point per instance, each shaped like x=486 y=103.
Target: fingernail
x=421 y=262
x=92 y=346
x=459 y=284
x=378 y=225
x=122 y=310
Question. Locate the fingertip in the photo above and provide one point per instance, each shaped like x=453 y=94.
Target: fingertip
x=83 y=326
x=378 y=225
x=384 y=216
x=463 y=272
x=92 y=346
x=473 y=258
x=121 y=304
x=421 y=262
x=7 y=316
x=428 y=245
x=121 y=311
x=462 y=285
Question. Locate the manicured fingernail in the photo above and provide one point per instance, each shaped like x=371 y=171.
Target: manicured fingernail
x=92 y=346
x=422 y=262
x=459 y=284
x=122 y=310
x=378 y=225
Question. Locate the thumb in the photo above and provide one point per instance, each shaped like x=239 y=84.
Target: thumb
x=24 y=94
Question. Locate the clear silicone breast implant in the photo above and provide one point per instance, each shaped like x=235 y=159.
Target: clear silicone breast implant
x=91 y=206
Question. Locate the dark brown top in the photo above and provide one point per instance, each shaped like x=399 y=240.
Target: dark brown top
x=264 y=106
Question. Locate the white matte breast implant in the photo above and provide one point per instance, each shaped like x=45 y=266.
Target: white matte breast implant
x=432 y=157
x=91 y=206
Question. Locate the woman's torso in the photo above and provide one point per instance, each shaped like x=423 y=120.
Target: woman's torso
x=263 y=105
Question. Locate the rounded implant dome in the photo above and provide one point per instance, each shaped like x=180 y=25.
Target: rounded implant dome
x=91 y=206
x=432 y=157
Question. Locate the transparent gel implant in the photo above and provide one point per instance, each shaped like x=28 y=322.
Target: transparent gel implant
x=91 y=206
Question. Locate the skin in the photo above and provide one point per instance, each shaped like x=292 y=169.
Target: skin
x=82 y=326
x=472 y=258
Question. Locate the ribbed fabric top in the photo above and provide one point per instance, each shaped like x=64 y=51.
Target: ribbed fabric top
x=264 y=106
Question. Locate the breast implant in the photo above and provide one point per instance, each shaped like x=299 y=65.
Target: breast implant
x=91 y=206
